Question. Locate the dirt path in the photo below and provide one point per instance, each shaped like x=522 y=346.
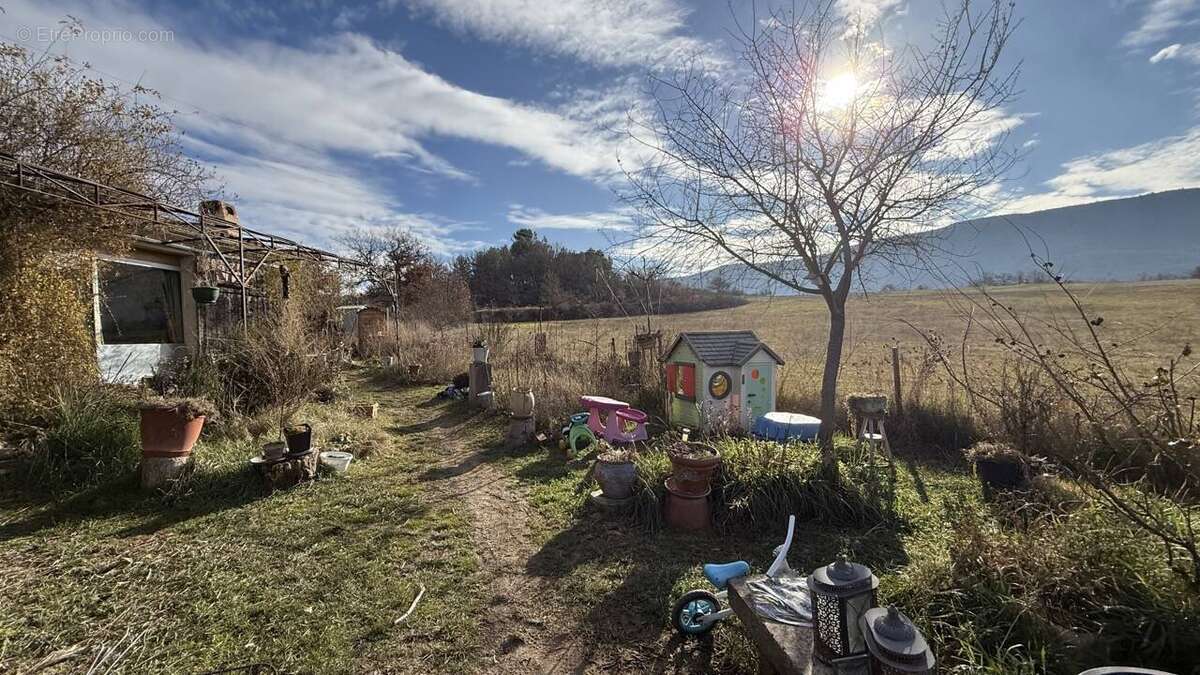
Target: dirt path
x=524 y=630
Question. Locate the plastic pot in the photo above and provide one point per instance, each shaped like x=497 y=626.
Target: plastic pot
x=521 y=402
x=299 y=438
x=336 y=460
x=1000 y=473
x=205 y=295
x=167 y=432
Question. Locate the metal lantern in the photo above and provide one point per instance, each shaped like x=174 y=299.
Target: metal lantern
x=842 y=592
x=895 y=644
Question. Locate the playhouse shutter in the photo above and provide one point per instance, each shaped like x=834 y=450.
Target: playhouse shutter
x=671 y=375
x=689 y=380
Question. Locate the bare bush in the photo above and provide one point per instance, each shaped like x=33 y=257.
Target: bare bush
x=1130 y=438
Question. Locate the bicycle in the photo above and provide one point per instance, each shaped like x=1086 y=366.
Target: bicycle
x=699 y=610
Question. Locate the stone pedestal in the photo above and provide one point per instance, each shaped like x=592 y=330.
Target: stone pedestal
x=159 y=473
x=521 y=431
x=290 y=471
x=480 y=375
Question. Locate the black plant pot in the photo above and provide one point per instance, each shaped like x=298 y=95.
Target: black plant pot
x=299 y=438
x=1001 y=474
x=205 y=295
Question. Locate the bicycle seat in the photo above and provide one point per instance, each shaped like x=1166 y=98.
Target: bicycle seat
x=720 y=574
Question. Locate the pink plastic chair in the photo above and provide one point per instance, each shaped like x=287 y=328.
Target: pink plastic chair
x=630 y=426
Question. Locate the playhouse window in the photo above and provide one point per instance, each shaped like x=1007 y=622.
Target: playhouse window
x=681 y=380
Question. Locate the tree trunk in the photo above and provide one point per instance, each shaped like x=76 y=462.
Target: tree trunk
x=833 y=362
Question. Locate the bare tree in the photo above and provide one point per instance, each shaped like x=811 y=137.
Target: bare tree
x=822 y=150
x=387 y=259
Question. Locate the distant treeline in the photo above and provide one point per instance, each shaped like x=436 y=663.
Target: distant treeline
x=531 y=279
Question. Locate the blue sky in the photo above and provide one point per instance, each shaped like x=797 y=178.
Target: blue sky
x=466 y=119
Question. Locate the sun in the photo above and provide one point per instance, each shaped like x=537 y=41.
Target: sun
x=838 y=91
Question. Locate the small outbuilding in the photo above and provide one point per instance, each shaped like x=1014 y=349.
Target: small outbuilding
x=720 y=375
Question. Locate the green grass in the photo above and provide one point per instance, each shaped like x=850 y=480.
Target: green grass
x=312 y=579
x=308 y=580
x=997 y=590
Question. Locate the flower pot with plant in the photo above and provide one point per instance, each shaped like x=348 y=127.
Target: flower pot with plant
x=204 y=291
x=692 y=465
x=299 y=437
x=170 y=427
x=479 y=351
x=615 y=472
x=998 y=465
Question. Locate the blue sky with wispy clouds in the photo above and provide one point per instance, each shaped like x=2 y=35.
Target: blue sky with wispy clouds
x=466 y=119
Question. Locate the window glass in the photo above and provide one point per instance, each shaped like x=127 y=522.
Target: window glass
x=139 y=305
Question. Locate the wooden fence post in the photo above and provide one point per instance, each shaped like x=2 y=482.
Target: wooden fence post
x=896 y=394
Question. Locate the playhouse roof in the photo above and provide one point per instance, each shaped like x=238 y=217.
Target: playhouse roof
x=723 y=347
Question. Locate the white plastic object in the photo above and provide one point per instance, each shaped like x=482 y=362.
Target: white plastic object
x=336 y=460
x=781 y=565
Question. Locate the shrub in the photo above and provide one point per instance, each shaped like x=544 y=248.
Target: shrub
x=1067 y=593
x=759 y=484
x=92 y=437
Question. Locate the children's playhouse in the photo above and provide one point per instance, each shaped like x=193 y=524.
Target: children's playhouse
x=715 y=375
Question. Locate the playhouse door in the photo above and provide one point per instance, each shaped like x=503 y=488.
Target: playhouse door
x=758 y=391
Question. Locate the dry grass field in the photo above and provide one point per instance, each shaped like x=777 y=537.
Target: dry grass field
x=1152 y=321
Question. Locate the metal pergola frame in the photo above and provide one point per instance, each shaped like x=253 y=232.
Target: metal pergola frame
x=241 y=250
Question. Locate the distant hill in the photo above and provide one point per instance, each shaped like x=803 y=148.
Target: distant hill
x=1114 y=240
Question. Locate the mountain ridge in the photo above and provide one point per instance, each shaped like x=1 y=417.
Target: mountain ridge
x=1122 y=239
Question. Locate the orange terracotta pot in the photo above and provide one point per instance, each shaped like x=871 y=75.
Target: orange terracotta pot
x=685 y=511
x=167 y=433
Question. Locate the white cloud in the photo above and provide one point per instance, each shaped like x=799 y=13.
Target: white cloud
x=1166 y=53
x=603 y=32
x=314 y=200
x=299 y=123
x=537 y=219
x=868 y=12
x=1162 y=164
x=1188 y=52
x=1161 y=18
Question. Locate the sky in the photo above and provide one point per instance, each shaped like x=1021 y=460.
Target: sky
x=464 y=120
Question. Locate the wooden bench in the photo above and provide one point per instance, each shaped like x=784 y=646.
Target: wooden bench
x=782 y=648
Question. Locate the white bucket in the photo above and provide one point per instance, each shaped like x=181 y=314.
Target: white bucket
x=338 y=461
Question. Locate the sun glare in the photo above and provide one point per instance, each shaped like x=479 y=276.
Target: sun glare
x=838 y=91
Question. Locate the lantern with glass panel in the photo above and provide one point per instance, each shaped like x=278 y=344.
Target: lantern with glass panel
x=842 y=592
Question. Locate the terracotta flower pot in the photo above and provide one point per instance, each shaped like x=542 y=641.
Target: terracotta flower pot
x=685 y=511
x=693 y=465
x=615 y=478
x=168 y=432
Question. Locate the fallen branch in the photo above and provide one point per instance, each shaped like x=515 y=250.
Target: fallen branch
x=412 y=606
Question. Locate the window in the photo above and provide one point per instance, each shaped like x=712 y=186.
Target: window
x=139 y=304
x=719 y=385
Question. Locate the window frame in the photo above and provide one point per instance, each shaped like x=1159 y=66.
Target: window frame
x=97 y=299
